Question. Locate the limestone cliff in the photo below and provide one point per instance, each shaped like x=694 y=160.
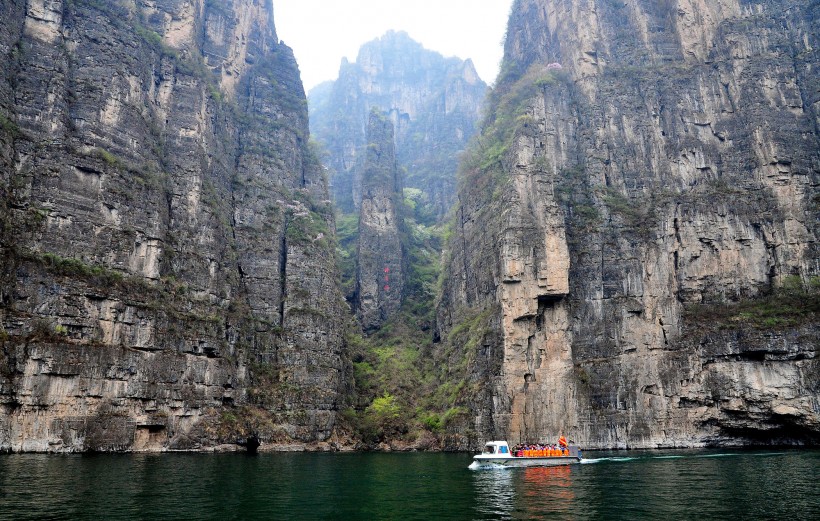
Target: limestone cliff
x=380 y=274
x=433 y=102
x=635 y=249
x=168 y=276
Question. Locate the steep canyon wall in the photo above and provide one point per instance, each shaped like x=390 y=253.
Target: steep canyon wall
x=643 y=195
x=633 y=261
x=168 y=274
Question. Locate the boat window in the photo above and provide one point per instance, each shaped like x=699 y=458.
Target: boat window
x=489 y=449
x=502 y=449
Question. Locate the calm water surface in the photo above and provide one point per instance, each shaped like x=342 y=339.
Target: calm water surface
x=777 y=484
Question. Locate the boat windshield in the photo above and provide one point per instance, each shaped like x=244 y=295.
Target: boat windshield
x=489 y=449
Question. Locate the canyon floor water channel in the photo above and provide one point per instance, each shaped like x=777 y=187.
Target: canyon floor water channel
x=708 y=484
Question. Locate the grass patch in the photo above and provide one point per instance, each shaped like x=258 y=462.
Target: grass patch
x=308 y=229
x=796 y=302
x=72 y=267
x=9 y=127
x=109 y=158
x=638 y=215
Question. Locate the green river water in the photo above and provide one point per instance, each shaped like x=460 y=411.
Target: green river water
x=725 y=484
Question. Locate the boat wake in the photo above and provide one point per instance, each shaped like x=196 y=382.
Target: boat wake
x=599 y=460
x=720 y=455
x=726 y=455
x=486 y=466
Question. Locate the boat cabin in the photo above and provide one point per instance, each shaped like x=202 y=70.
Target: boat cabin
x=497 y=448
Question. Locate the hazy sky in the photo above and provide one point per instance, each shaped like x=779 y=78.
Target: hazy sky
x=321 y=32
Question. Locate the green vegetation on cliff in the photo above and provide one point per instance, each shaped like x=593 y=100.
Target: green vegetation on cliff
x=396 y=383
x=406 y=391
x=794 y=303
x=485 y=166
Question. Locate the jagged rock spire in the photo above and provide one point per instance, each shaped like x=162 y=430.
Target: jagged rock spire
x=379 y=280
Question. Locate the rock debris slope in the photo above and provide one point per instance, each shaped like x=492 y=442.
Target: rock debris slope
x=635 y=248
x=168 y=277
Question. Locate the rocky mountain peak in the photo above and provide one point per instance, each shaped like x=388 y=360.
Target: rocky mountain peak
x=434 y=103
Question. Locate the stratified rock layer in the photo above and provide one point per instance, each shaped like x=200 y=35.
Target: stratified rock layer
x=643 y=163
x=168 y=278
x=380 y=275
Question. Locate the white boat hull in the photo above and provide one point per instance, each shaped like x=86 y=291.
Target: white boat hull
x=480 y=461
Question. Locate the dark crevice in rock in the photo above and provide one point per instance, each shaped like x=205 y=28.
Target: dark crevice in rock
x=252 y=445
x=283 y=272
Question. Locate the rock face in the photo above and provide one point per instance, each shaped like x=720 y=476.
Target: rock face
x=433 y=102
x=646 y=187
x=380 y=276
x=168 y=275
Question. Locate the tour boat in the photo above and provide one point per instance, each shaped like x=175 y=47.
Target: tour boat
x=498 y=454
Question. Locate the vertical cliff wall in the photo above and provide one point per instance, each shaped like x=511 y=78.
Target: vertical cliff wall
x=168 y=274
x=380 y=274
x=635 y=245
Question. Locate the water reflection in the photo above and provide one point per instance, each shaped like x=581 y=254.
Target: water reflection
x=524 y=493
x=494 y=493
x=646 y=485
x=546 y=491
x=551 y=482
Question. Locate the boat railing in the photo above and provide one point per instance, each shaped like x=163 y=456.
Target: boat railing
x=569 y=452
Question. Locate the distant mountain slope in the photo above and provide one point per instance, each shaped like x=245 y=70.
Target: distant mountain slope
x=433 y=102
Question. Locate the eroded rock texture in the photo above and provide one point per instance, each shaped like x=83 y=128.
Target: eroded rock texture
x=649 y=170
x=433 y=102
x=380 y=275
x=168 y=278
